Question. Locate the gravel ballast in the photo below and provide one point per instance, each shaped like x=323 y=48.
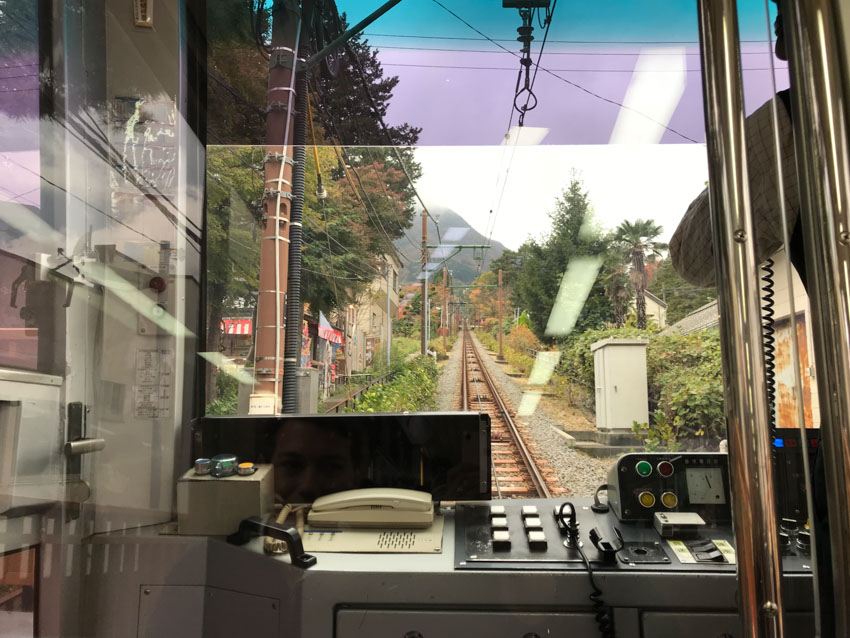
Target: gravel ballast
x=579 y=473
x=448 y=385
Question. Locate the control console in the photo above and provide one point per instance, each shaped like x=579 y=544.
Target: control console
x=639 y=485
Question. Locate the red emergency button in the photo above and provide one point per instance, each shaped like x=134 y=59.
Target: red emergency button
x=665 y=468
x=157 y=284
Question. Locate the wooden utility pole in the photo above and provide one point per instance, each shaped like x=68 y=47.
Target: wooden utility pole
x=424 y=344
x=500 y=313
x=445 y=304
x=274 y=249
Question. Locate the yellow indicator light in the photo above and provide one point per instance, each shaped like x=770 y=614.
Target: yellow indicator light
x=246 y=465
x=646 y=499
x=669 y=499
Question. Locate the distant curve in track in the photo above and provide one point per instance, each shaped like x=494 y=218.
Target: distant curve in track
x=515 y=470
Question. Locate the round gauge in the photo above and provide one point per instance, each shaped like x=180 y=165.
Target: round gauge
x=669 y=499
x=647 y=499
x=643 y=468
x=665 y=468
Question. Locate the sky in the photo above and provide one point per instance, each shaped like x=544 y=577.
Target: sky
x=625 y=111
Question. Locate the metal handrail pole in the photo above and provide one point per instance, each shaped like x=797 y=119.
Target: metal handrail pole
x=821 y=95
x=751 y=481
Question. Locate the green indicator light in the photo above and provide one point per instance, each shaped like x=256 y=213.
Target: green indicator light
x=643 y=468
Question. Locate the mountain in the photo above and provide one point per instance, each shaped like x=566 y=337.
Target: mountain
x=464 y=268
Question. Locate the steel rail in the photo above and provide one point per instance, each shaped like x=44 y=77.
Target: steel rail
x=524 y=454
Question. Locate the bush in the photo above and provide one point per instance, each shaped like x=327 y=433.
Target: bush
x=522 y=339
x=488 y=340
x=226 y=395
x=412 y=389
x=660 y=436
x=520 y=360
x=685 y=388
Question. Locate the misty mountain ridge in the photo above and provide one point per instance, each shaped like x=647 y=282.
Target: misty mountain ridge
x=464 y=268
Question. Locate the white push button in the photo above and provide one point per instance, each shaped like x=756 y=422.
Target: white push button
x=497 y=510
x=501 y=540
x=537 y=540
x=529 y=510
x=533 y=522
x=499 y=522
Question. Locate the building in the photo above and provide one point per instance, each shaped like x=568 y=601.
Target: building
x=367 y=320
x=656 y=309
x=708 y=317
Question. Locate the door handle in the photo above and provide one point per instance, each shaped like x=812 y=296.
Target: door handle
x=83 y=446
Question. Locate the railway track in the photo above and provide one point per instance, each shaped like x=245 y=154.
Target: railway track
x=516 y=472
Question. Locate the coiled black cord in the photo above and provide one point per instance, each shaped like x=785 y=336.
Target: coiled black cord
x=601 y=611
x=768 y=339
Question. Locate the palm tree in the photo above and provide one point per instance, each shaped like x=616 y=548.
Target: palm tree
x=637 y=239
x=617 y=290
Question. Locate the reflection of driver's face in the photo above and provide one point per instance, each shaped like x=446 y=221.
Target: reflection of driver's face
x=310 y=461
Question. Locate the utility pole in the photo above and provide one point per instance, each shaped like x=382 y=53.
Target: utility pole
x=445 y=304
x=389 y=319
x=278 y=165
x=424 y=304
x=500 y=314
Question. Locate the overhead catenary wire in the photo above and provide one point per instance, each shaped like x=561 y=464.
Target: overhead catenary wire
x=494 y=40
x=466 y=67
x=565 y=80
x=344 y=160
x=359 y=67
x=401 y=228
x=632 y=54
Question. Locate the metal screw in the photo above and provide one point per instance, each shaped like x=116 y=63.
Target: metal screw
x=147 y=592
x=844 y=237
x=740 y=236
x=274 y=605
x=770 y=609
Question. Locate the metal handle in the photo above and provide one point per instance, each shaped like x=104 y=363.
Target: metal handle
x=84 y=446
x=822 y=142
x=753 y=510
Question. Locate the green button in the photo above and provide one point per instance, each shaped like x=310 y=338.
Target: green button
x=643 y=468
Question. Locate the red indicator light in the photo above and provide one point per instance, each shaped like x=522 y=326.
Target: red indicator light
x=157 y=284
x=665 y=468
x=813 y=442
x=791 y=443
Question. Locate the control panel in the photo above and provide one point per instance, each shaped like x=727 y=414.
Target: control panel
x=534 y=535
x=639 y=485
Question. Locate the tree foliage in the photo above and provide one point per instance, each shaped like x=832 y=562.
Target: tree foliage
x=637 y=240
x=535 y=271
x=370 y=199
x=685 y=389
x=682 y=298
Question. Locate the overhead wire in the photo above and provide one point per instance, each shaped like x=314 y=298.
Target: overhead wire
x=494 y=40
x=340 y=150
x=466 y=67
x=360 y=71
x=631 y=54
x=565 y=80
x=401 y=228
x=491 y=221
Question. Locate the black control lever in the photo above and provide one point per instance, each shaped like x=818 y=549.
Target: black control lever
x=255 y=526
x=608 y=548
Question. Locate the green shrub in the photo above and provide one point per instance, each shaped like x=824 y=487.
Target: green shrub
x=412 y=389
x=488 y=340
x=660 y=436
x=520 y=360
x=685 y=388
x=226 y=395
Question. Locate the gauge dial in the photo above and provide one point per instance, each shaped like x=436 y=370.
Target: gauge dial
x=705 y=486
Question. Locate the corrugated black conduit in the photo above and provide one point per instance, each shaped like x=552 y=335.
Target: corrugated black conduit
x=292 y=339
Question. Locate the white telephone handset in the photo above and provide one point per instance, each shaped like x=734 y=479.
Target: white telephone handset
x=373 y=507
